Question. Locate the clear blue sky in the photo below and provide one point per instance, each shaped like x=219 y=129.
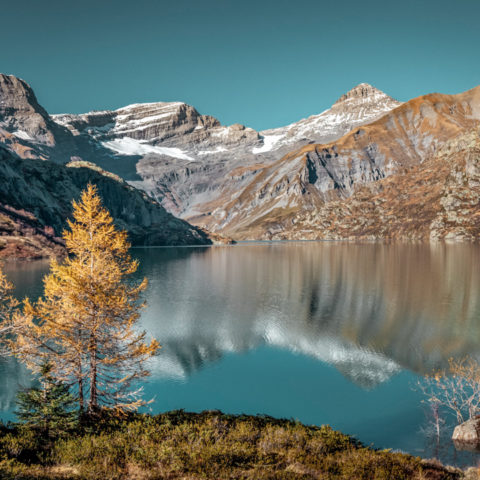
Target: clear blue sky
x=263 y=63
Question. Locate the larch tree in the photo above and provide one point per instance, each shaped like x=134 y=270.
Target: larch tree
x=85 y=326
x=7 y=307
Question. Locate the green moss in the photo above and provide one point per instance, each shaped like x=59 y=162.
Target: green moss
x=179 y=445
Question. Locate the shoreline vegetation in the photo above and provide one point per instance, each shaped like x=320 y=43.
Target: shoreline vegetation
x=212 y=445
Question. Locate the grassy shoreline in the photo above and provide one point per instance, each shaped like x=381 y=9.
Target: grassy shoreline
x=207 y=445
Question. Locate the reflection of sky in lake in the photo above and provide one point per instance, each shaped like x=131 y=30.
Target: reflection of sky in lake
x=323 y=332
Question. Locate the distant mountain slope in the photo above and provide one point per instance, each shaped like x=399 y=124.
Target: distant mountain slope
x=277 y=195
x=436 y=199
x=184 y=159
x=35 y=201
x=181 y=158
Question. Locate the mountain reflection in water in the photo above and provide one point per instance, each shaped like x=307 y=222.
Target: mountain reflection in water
x=370 y=310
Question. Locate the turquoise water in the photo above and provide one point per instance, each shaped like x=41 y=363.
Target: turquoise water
x=331 y=333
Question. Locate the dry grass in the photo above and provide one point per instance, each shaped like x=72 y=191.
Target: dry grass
x=179 y=445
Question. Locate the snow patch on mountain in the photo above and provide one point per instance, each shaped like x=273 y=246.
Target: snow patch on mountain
x=155 y=105
x=22 y=134
x=211 y=152
x=131 y=146
x=269 y=142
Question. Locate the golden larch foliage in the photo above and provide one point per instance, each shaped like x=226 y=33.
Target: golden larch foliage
x=7 y=308
x=85 y=325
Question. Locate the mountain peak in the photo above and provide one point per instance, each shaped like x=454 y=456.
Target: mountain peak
x=17 y=95
x=20 y=112
x=363 y=91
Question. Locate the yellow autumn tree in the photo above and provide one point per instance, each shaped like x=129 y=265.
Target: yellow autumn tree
x=7 y=307
x=85 y=326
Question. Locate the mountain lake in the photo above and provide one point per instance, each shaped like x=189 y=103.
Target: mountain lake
x=321 y=332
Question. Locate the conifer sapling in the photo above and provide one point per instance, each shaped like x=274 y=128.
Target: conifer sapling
x=48 y=409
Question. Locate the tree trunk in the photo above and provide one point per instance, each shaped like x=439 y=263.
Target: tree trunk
x=81 y=400
x=93 y=404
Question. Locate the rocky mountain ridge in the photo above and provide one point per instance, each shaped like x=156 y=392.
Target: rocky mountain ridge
x=306 y=180
x=181 y=158
x=184 y=159
x=35 y=202
x=26 y=128
x=362 y=104
x=438 y=199
x=235 y=181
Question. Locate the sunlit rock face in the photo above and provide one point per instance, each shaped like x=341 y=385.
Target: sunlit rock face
x=187 y=161
x=335 y=190
x=369 y=310
x=190 y=162
x=437 y=199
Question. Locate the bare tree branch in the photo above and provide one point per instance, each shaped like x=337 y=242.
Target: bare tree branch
x=456 y=389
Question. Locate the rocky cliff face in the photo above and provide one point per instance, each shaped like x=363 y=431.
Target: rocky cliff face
x=438 y=199
x=21 y=114
x=26 y=128
x=143 y=121
x=309 y=179
x=168 y=149
x=35 y=201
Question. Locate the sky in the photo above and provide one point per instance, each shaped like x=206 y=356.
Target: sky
x=262 y=63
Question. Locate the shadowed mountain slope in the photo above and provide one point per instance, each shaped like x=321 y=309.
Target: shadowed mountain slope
x=35 y=201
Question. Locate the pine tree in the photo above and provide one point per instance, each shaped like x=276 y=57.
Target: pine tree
x=48 y=409
x=85 y=326
x=7 y=307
